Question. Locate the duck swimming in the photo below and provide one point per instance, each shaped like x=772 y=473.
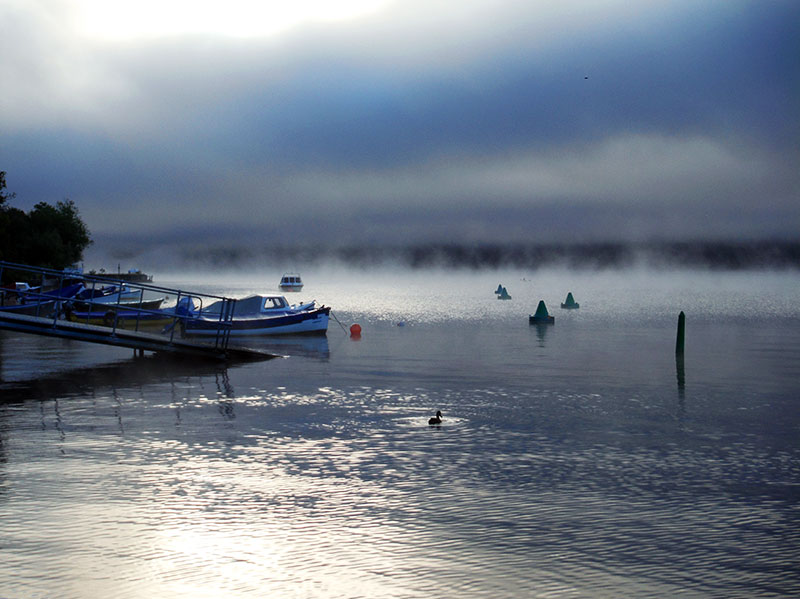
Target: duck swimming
x=436 y=419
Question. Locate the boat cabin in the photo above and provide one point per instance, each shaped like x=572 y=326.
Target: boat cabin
x=259 y=305
x=291 y=282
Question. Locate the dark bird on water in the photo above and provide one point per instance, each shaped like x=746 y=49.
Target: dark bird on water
x=436 y=419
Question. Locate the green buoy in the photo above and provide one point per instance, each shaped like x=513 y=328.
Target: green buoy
x=570 y=303
x=541 y=316
x=503 y=294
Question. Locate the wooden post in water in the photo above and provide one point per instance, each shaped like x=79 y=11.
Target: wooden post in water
x=681 y=334
x=679 y=367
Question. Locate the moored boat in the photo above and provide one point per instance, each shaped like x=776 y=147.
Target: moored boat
x=124 y=319
x=40 y=308
x=93 y=305
x=258 y=315
x=291 y=281
x=307 y=322
x=110 y=294
x=21 y=298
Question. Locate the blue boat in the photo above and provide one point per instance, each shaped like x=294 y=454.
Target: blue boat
x=258 y=315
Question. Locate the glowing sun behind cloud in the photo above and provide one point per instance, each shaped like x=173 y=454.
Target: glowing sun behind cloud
x=129 y=19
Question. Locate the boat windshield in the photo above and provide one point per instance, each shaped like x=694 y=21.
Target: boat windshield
x=272 y=303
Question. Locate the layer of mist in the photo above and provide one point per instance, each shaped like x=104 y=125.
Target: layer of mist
x=668 y=255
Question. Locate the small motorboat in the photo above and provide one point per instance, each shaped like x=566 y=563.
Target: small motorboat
x=135 y=320
x=291 y=281
x=258 y=315
x=43 y=309
x=112 y=296
x=31 y=301
x=108 y=294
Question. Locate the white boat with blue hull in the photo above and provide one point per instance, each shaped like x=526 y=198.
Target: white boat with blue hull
x=291 y=281
x=259 y=315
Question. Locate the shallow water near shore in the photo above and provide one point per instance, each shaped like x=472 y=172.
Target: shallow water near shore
x=574 y=460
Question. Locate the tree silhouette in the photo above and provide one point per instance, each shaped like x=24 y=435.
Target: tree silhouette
x=47 y=236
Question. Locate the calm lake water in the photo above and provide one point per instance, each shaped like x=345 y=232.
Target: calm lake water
x=570 y=463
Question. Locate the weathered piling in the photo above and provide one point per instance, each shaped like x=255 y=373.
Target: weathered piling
x=681 y=334
x=679 y=363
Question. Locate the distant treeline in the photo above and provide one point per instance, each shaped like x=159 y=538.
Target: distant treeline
x=711 y=255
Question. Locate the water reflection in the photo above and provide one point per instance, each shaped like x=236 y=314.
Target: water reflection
x=541 y=332
x=135 y=372
x=3 y=440
x=681 y=375
x=307 y=346
x=224 y=385
x=59 y=423
x=226 y=408
x=118 y=411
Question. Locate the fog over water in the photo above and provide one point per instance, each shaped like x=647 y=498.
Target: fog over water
x=715 y=255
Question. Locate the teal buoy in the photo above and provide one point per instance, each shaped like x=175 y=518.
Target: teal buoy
x=541 y=316
x=499 y=290
x=570 y=303
x=503 y=294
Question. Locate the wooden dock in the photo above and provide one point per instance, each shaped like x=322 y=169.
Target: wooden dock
x=138 y=341
x=170 y=343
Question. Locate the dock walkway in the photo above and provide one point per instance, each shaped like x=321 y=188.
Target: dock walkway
x=135 y=340
x=171 y=343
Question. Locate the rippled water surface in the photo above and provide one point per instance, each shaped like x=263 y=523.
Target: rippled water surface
x=571 y=462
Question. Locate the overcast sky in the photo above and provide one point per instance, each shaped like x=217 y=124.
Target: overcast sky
x=381 y=120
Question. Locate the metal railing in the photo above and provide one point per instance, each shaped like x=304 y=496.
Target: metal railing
x=53 y=280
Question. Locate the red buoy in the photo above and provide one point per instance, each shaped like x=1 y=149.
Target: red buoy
x=355 y=330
